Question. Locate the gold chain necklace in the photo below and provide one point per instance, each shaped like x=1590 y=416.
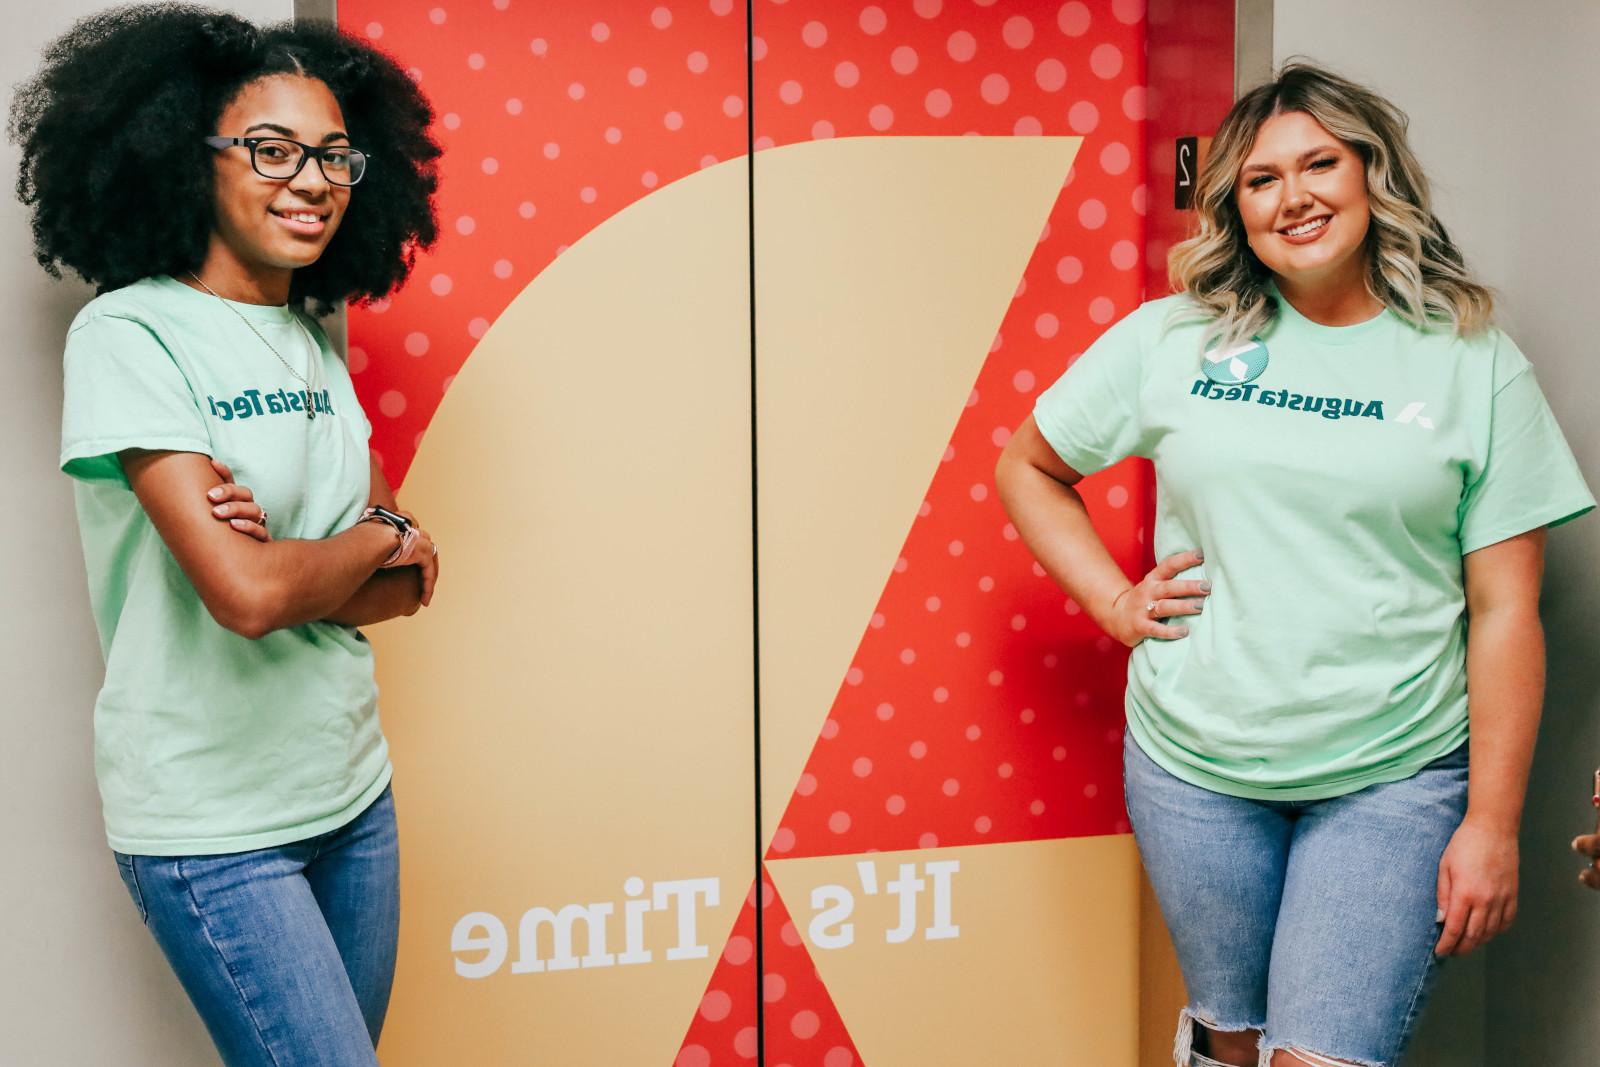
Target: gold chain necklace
x=311 y=364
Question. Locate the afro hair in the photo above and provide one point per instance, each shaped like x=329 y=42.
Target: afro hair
x=114 y=122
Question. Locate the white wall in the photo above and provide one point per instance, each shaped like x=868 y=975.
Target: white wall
x=1502 y=104
x=81 y=982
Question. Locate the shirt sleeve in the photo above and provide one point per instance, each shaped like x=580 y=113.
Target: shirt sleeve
x=123 y=390
x=1529 y=477
x=1090 y=416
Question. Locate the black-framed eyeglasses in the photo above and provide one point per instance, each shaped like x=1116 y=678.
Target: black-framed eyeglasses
x=280 y=158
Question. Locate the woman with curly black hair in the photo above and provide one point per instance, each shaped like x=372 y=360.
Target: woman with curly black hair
x=214 y=179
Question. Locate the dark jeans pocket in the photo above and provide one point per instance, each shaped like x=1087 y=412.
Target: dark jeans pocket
x=130 y=878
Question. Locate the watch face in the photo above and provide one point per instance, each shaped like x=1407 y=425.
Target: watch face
x=399 y=520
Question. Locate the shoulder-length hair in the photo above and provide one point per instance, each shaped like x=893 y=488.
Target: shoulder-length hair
x=119 y=178
x=1412 y=265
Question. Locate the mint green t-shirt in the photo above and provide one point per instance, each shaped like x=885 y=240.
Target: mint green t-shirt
x=207 y=742
x=1334 y=497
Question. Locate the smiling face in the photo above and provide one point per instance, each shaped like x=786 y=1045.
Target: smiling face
x=1302 y=196
x=266 y=228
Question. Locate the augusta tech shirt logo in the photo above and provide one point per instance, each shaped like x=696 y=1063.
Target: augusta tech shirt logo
x=1329 y=407
x=253 y=402
x=1230 y=374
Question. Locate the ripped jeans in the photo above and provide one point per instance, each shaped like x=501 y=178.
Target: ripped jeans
x=1312 y=921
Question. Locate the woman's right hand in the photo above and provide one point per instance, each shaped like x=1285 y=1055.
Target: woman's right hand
x=1132 y=619
x=1588 y=846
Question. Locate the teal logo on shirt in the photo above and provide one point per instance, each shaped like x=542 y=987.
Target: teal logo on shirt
x=254 y=402
x=1236 y=365
x=1329 y=407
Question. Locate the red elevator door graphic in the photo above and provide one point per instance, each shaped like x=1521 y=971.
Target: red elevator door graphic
x=967 y=702
x=951 y=200
x=960 y=668
x=802 y=1024
x=570 y=720
x=553 y=117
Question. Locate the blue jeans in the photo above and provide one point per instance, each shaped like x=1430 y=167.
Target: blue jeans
x=1313 y=921
x=288 y=952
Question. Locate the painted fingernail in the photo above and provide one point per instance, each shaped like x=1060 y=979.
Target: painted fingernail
x=1183 y=631
x=1199 y=555
x=215 y=494
x=220 y=509
x=1205 y=587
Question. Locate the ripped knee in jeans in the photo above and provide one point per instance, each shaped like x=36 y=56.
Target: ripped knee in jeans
x=1189 y=1022
x=1286 y=1054
x=1273 y=1054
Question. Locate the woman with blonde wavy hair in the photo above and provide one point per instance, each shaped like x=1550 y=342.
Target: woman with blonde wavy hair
x=1351 y=463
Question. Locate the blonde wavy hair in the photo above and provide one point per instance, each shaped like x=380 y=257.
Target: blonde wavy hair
x=1412 y=265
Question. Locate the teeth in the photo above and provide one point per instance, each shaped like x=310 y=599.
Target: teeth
x=301 y=216
x=1316 y=224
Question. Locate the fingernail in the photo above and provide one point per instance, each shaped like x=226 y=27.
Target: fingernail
x=1201 y=556
x=1183 y=631
x=219 y=509
x=238 y=522
x=215 y=494
x=1574 y=844
x=1205 y=587
x=1439 y=916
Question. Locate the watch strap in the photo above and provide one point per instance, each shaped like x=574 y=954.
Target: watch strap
x=401 y=526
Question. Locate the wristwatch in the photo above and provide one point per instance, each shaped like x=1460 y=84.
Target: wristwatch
x=402 y=526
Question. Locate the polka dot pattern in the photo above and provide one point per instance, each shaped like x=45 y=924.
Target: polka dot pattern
x=554 y=119
x=968 y=633
x=802 y=1024
x=574 y=112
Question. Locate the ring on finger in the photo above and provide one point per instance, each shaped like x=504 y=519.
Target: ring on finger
x=1150 y=609
x=263 y=516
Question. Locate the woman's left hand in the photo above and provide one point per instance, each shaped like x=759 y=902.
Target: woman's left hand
x=428 y=564
x=1588 y=846
x=236 y=505
x=1477 y=887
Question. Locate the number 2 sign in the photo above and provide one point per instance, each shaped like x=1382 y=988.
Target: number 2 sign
x=1191 y=154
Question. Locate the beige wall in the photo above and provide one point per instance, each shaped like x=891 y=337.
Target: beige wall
x=80 y=980
x=1502 y=104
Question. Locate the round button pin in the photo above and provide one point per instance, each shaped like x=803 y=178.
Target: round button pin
x=1236 y=365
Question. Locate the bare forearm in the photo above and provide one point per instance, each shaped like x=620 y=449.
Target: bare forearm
x=1505 y=685
x=1055 y=525
x=303 y=581
x=388 y=594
